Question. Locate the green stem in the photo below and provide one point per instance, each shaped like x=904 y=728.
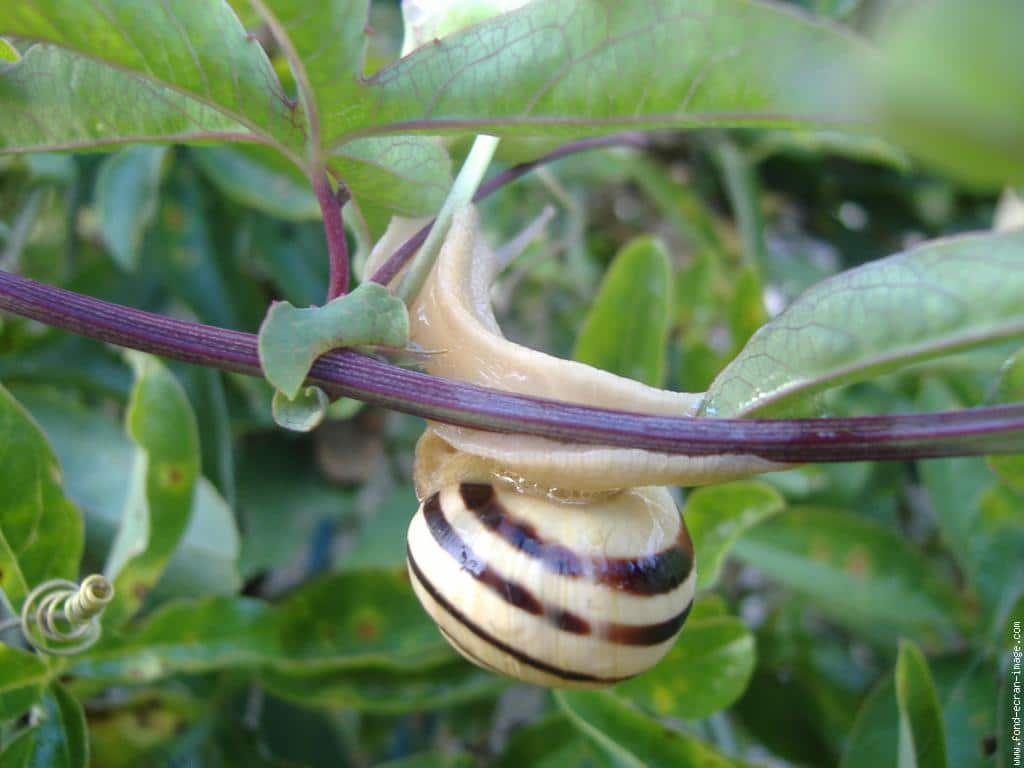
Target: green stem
x=461 y=194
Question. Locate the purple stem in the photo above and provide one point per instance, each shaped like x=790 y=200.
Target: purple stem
x=334 y=229
x=977 y=431
x=386 y=272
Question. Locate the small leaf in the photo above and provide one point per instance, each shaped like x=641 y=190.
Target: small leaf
x=629 y=738
x=105 y=108
x=126 y=196
x=945 y=296
x=291 y=339
x=409 y=175
x=717 y=516
x=40 y=530
x=8 y=53
x=922 y=744
x=160 y=422
x=60 y=740
x=626 y=329
x=303 y=413
x=706 y=671
x=23 y=677
x=856 y=571
x=251 y=176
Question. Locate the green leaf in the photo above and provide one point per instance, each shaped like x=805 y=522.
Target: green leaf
x=106 y=107
x=410 y=175
x=8 y=53
x=963 y=111
x=1010 y=389
x=945 y=296
x=40 y=530
x=60 y=740
x=127 y=188
x=302 y=413
x=993 y=553
x=380 y=541
x=626 y=329
x=250 y=176
x=629 y=738
x=706 y=671
x=346 y=621
x=160 y=422
x=431 y=760
x=717 y=516
x=584 y=66
x=291 y=339
x=856 y=571
x=200 y=50
x=551 y=742
x=23 y=677
x=921 y=738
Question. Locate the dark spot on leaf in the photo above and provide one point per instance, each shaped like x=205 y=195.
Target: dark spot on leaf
x=988 y=745
x=367 y=630
x=140 y=591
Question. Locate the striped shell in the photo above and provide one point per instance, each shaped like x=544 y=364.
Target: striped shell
x=563 y=593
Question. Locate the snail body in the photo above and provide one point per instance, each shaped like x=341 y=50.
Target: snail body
x=559 y=564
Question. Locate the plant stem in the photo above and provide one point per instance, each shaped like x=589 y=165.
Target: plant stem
x=387 y=271
x=461 y=194
x=977 y=431
x=334 y=230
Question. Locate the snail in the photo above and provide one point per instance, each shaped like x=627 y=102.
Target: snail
x=558 y=564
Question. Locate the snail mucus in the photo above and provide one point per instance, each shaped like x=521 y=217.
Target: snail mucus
x=559 y=564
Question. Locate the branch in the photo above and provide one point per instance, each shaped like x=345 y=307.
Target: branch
x=334 y=231
x=977 y=431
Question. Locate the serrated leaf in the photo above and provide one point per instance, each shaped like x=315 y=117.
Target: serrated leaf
x=106 y=107
x=942 y=297
x=23 y=677
x=626 y=329
x=60 y=740
x=40 y=530
x=197 y=49
x=127 y=189
x=962 y=112
x=249 y=175
x=856 y=571
x=160 y=422
x=629 y=738
x=584 y=66
x=302 y=413
x=706 y=671
x=291 y=339
x=922 y=743
x=718 y=515
x=409 y=175
x=1009 y=389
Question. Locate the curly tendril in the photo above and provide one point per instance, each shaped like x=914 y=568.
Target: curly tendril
x=60 y=617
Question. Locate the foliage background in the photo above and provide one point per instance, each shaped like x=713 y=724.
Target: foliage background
x=276 y=626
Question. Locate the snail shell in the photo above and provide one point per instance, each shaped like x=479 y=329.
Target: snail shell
x=558 y=564
x=556 y=592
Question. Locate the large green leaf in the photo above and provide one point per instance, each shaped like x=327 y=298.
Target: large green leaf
x=858 y=572
x=199 y=49
x=944 y=296
x=630 y=738
x=626 y=329
x=718 y=515
x=962 y=111
x=160 y=422
x=23 y=677
x=107 y=106
x=922 y=743
x=707 y=670
x=60 y=740
x=40 y=530
x=590 y=66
